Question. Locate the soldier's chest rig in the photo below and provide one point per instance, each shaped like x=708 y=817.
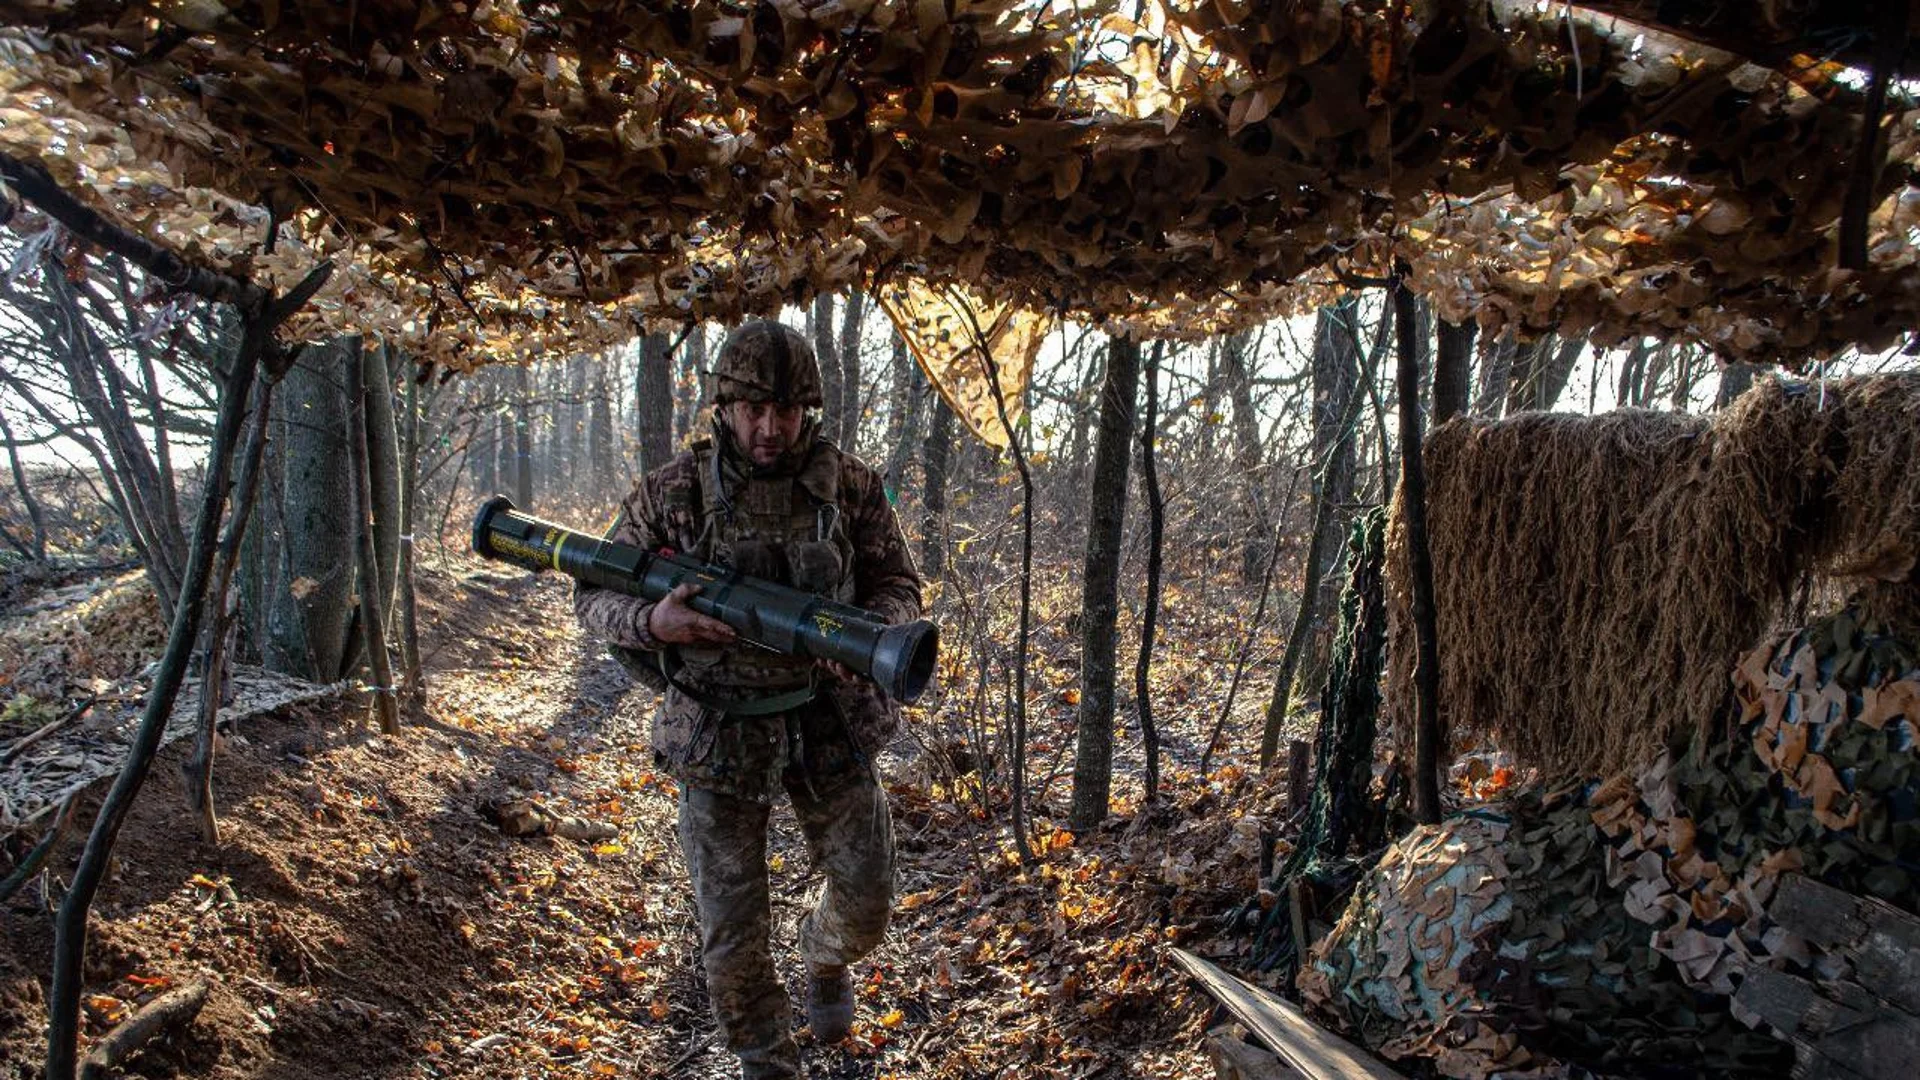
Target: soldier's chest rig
x=786 y=527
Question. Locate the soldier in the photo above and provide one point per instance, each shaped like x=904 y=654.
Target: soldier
x=767 y=495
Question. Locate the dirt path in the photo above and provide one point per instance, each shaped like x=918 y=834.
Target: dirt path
x=363 y=917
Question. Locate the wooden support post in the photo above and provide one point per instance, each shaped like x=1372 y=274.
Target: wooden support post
x=1299 y=775
x=70 y=926
x=1413 y=516
x=213 y=669
x=261 y=314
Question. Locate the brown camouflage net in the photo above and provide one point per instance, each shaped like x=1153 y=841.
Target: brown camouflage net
x=508 y=177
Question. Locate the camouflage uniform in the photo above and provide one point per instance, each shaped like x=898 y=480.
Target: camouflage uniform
x=818 y=519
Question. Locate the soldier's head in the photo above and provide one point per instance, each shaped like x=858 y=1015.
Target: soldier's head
x=763 y=383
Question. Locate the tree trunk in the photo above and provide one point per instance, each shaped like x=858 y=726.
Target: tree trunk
x=1106 y=521
x=910 y=392
x=296 y=606
x=1632 y=372
x=522 y=438
x=1413 y=511
x=820 y=327
x=1557 y=371
x=851 y=408
x=1452 y=368
x=383 y=461
x=1336 y=374
x=574 y=445
x=1496 y=374
x=485 y=454
x=415 y=678
x=690 y=384
x=1735 y=379
x=1156 y=532
x=1235 y=352
x=933 y=497
x=600 y=449
x=1338 y=371
x=653 y=398
x=364 y=528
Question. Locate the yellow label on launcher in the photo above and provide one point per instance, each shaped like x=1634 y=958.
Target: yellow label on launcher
x=514 y=548
x=828 y=625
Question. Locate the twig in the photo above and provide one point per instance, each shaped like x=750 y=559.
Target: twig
x=1890 y=33
x=699 y=1047
x=45 y=730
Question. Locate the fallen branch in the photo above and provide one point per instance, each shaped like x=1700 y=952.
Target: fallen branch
x=175 y=1008
x=45 y=730
x=524 y=817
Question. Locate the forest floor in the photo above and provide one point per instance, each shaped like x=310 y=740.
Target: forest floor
x=362 y=916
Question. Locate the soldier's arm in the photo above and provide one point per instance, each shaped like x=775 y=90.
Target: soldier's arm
x=883 y=572
x=615 y=616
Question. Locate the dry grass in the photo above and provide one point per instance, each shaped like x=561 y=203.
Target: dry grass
x=1597 y=577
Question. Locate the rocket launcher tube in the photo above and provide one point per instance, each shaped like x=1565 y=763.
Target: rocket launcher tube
x=778 y=617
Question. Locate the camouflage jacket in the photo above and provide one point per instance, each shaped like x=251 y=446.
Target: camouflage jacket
x=704 y=505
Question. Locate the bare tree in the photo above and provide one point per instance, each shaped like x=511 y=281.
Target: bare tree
x=653 y=400
x=1106 y=520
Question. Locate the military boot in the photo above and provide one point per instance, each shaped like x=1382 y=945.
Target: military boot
x=829 y=1002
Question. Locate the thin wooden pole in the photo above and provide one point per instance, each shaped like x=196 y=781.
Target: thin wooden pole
x=199 y=767
x=1413 y=514
x=70 y=926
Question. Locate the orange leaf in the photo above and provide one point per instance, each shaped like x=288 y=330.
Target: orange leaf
x=893 y=1019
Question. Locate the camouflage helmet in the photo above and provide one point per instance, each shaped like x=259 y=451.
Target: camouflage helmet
x=764 y=360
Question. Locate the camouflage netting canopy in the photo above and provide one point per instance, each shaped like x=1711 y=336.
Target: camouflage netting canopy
x=512 y=176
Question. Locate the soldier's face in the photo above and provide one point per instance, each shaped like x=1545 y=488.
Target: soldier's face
x=765 y=429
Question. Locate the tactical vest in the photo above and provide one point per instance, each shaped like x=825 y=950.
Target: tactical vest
x=786 y=527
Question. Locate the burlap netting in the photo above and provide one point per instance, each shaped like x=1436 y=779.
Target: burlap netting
x=1596 y=578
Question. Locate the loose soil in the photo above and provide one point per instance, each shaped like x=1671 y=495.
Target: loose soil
x=362 y=917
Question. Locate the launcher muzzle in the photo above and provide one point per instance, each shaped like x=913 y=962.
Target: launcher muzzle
x=774 y=616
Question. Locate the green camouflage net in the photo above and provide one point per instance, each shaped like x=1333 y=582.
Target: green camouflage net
x=1605 y=927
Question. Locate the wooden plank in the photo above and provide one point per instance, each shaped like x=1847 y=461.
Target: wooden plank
x=1839 y=1029
x=1313 y=1050
x=1879 y=940
x=1236 y=1059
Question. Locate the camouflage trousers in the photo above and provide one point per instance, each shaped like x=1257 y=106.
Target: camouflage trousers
x=849 y=835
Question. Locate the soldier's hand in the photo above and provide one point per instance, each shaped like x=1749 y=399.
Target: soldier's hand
x=836 y=669
x=672 y=621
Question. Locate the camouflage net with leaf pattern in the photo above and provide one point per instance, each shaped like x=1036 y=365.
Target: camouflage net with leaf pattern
x=510 y=177
x=1606 y=926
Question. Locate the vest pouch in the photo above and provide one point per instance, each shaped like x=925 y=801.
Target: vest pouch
x=817 y=567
